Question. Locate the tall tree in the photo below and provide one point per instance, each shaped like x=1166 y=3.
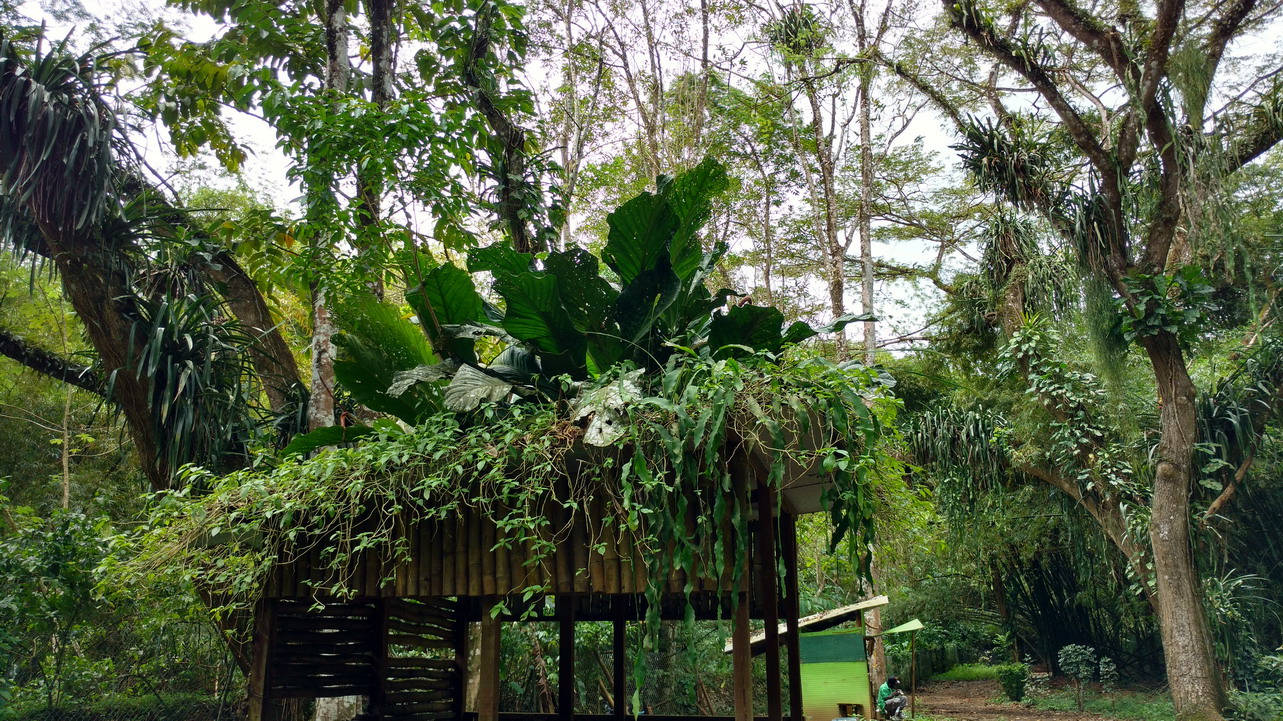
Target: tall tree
x=1148 y=125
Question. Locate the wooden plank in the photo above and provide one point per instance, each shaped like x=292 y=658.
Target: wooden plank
x=403 y=639
x=260 y=708
x=436 y=688
x=488 y=557
x=287 y=624
x=579 y=549
x=428 y=663
x=314 y=637
x=461 y=555
x=412 y=693
x=502 y=564
x=594 y=538
x=378 y=701
x=566 y=658
x=292 y=607
x=320 y=692
x=788 y=530
x=427 y=707
x=475 y=553
x=488 y=690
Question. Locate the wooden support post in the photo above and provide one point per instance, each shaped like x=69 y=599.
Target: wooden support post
x=619 y=667
x=913 y=674
x=742 y=663
x=488 y=693
x=788 y=527
x=260 y=702
x=770 y=590
x=382 y=608
x=566 y=657
x=460 y=657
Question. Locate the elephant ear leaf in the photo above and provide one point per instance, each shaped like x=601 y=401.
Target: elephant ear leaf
x=639 y=235
x=535 y=314
x=499 y=260
x=471 y=387
x=690 y=195
x=590 y=301
x=447 y=297
x=586 y=296
x=752 y=326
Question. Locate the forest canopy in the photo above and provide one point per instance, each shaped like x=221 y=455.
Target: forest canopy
x=286 y=275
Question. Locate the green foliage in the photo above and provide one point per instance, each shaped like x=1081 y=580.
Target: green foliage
x=150 y=707
x=969 y=672
x=1079 y=663
x=1014 y=677
x=1133 y=706
x=1177 y=303
x=1256 y=706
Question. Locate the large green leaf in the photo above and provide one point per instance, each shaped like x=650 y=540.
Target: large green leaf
x=587 y=297
x=471 y=387
x=755 y=326
x=690 y=195
x=643 y=300
x=639 y=235
x=375 y=344
x=447 y=297
x=535 y=314
x=499 y=260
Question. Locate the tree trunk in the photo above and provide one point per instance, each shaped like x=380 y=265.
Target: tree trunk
x=866 y=210
x=834 y=252
x=1192 y=674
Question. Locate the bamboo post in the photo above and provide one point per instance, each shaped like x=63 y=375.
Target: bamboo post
x=788 y=526
x=460 y=657
x=770 y=599
x=618 y=644
x=378 y=701
x=260 y=704
x=566 y=658
x=488 y=693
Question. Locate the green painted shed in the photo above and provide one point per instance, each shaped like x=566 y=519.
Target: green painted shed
x=835 y=675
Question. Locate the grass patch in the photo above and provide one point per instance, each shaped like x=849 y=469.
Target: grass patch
x=968 y=672
x=167 y=707
x=1132 y=705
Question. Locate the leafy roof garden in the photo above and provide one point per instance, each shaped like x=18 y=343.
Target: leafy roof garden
x=634 y=380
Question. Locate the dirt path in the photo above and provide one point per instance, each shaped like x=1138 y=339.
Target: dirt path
x=974 y=701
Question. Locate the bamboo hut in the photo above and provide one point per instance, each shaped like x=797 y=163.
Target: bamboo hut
x=402 y=639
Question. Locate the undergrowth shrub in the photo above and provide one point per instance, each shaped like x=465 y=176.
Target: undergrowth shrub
x=1014 y=677
x=1256 y=706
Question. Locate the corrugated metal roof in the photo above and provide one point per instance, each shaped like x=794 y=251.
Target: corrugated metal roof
x=817 y=622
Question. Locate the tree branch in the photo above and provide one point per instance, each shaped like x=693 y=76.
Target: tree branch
x=50 y=364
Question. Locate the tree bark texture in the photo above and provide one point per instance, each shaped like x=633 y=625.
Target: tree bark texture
x=1192 y=674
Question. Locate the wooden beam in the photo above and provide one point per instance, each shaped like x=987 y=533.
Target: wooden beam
x=770 y=594
x=460 y=657
x=566 y=657
x=788 y=529
x=383 y=629
x=488 y=693
x=260 y=703
x=620 y=674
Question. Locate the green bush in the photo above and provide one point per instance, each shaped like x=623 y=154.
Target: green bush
x=1014 y=677
x=1257 y=706
x=968 y=672
x=167 y=707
